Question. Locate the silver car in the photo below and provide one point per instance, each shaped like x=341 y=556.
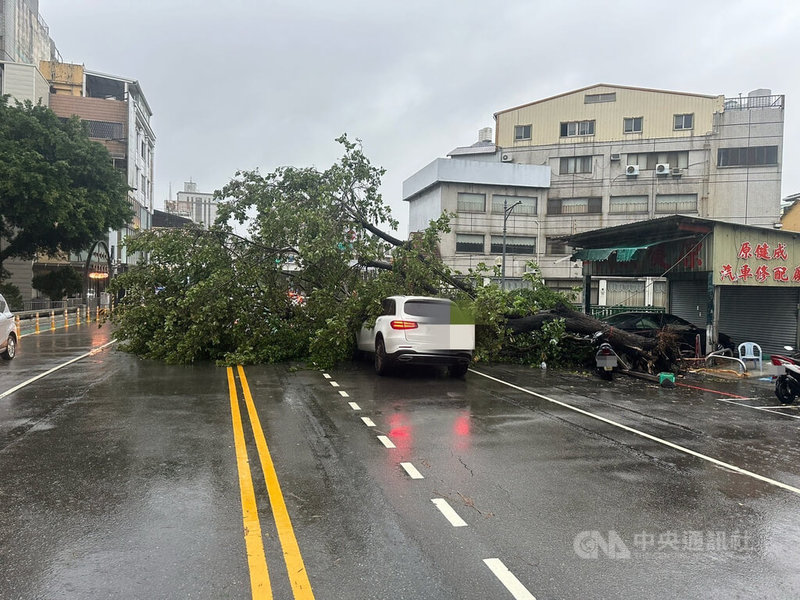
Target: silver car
x=8 y=332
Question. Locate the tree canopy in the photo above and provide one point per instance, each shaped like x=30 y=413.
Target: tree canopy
x=58 y=283
x=228 y=295
x=59 y=191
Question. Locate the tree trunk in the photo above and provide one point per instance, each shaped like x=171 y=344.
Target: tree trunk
x=645 y=353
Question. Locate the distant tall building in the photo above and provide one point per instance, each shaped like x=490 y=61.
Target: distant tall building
x=200 y=207
x=24 y=36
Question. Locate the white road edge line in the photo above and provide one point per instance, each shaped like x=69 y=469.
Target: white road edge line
x=448 y=512
x=508 y=579
x=764 y=408
x=368 y=422
x=344 y=394
x=386 y=441
x=354 y=406
x=411 y=470
x=653 y=438
x=54 y=369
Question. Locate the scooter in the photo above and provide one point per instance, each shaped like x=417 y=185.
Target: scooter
x=605 y=358
x=787 y=385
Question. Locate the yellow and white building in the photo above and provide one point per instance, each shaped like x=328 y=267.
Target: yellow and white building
x=612 y=155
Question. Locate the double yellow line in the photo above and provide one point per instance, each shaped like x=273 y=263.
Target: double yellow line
x=259 y=574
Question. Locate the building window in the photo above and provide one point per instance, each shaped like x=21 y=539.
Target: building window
x=649 y=160
x=684 y=121
x=469 y=242
x=103 y=130
x=528 y=206
x=676 y=203
x=574 y=206
x=515 y=244
x=471 y=202
x=632 y=124
x=522 y=132
x=574 y=128
x=597 y=98
x=754 y=156
x=557 y=246
x=623 y=205
x=575 y=164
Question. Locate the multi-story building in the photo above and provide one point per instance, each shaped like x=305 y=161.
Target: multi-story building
x=200 y=207
x=24 y=36
x=118 y=116
x=613 y=154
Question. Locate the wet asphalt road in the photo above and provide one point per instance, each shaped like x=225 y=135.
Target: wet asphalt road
x=119 y=479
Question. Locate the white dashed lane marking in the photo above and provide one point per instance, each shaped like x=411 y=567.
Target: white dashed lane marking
x=411 y=470
x=354 y=406
x=448 y=512
x=344 y=394
x=386 y=441
x=508 y=579
x=368 y=422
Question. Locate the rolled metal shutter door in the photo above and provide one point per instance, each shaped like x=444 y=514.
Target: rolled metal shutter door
x=685 y=296
x=764 y=315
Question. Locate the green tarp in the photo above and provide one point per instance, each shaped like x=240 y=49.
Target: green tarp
x=623 y=254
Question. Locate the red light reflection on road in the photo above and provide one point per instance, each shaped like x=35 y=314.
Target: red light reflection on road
x=463 y=432
x=400 y=432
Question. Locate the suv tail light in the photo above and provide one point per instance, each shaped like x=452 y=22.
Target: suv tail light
x=404 y=324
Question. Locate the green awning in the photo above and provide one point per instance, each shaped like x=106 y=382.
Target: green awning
x=624 y=254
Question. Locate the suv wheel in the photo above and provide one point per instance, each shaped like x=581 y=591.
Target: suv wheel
x=381 y=360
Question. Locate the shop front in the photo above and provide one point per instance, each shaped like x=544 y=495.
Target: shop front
x=739 y=279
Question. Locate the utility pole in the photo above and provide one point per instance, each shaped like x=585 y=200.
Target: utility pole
x=506 y=213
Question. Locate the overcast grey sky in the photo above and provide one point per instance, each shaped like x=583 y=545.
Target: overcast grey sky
x=247 y=83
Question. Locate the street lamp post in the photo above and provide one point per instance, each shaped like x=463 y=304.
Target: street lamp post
x=506 y=213
x=538 y=245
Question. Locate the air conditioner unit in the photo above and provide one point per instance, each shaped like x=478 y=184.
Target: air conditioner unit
x=505 y=157
x=632 y=170
x=676 y=172
x=662 y=169
x=615 y=156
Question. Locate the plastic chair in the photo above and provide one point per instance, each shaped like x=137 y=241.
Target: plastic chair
x=752 y=351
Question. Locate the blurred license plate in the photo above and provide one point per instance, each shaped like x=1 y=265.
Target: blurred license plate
x=606 y=361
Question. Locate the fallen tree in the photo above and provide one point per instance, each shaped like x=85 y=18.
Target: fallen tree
x=232 y=298
x=642 y=353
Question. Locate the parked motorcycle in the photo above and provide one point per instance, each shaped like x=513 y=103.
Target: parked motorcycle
x=605 y=358
x=787 y=385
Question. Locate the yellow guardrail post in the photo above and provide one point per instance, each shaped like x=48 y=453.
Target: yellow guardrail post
x=66 y=319
x=88 y=314
x=16 y=322
x=52 y=320
x=37 y=322
x=78 y=316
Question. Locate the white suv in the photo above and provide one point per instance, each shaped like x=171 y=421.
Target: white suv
x=8 y=332
x=420 y=330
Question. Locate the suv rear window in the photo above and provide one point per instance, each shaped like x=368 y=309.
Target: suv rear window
x=439 y=312
x=442 y=312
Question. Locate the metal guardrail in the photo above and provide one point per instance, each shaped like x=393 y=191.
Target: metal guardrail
x=722 y=354
x=601 y=312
